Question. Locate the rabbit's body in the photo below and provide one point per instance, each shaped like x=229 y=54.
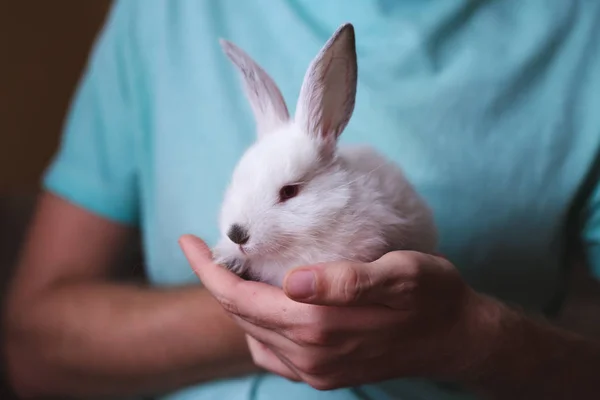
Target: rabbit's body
x=379 y=211
x=295 y=199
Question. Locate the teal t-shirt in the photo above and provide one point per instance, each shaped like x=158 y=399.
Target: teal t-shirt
x=492 y=108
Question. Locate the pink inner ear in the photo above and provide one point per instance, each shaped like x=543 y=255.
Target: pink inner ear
x=325 y=110
x=327 y=95
x=326 y=129
x=335 y=101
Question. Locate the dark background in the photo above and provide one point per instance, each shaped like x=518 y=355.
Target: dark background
x=44 y=46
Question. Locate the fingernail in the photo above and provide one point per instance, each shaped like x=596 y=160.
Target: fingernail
x=301 y=284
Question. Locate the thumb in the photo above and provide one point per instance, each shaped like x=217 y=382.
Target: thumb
x=338 y=284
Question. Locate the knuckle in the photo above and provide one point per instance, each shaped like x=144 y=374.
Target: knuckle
x=314 y=330
x=445 y=264
x=310 y=366
x=395 y=257
x=229 y=305
x=412 y=267
x=408 y=262
x=314 y=337
x=405 y=261
x=352 y=285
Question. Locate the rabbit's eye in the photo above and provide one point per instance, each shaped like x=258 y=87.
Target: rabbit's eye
x=288 y=191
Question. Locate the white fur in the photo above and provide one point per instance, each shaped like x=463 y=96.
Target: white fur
x=353 y=203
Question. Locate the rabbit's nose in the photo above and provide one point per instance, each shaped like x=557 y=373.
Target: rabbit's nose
x=238 y=234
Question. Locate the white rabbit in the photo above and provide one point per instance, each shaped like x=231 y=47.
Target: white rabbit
x=294 y=198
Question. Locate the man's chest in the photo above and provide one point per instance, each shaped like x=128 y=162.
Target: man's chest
x=500 y=171
x=500 y=192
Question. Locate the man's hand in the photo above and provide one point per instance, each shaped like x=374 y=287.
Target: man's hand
x=406 y=314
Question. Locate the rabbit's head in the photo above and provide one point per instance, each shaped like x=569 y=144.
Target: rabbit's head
x=289 y=185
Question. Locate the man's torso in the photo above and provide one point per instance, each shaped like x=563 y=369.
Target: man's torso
x=485 y=107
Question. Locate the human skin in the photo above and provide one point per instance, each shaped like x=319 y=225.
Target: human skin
x=72 y=330
x=406 y=314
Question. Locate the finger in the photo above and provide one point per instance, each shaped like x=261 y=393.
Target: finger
x=260 y=303
x=265 y=335
x=267 y=359
x=279 y=345
x=200 y=258
x=218 y=280
x=387 y=281
x=221 y=282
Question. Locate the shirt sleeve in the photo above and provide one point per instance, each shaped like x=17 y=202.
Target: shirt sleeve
x=95 y=165
x=591 y=232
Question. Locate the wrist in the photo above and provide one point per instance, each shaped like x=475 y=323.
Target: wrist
x=485 y=326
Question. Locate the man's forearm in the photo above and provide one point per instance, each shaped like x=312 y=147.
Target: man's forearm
x=88 y=339
x=525 y=358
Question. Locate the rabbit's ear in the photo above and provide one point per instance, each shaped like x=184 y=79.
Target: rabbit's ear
x=328 y=92
x=268 y=105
